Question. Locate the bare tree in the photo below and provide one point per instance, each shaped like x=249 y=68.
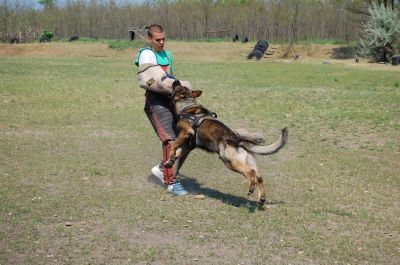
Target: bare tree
x=293 y=15
x=5 y=15
x=277 y=20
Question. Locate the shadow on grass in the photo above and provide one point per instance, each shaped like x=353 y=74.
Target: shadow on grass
x=194 y=187
x=343 y=53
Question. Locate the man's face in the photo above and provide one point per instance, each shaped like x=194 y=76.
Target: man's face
x=157 y=41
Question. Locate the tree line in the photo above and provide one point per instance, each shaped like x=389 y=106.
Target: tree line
x=274 y=20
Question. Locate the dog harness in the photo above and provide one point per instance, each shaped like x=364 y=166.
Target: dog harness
x=195 y=121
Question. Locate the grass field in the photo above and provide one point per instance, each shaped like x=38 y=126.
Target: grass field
x=76 y=151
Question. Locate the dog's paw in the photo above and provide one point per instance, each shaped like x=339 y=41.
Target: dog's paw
x=251 y=190
x=259 y=138
x=169 y=164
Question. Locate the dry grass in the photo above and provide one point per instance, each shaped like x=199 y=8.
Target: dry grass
x=76 y=149
x=201 y=52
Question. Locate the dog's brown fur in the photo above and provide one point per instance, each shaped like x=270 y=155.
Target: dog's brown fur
x=234 y=149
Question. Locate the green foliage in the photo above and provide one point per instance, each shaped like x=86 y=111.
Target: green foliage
x=381 y=31
x=47 y=36
x=47 y=3
x=120 y=44
x=87 y=39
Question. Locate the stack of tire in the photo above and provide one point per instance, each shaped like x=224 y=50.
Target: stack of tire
x=259 y=50
x=396 y=59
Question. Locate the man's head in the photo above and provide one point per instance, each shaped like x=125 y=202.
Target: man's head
x=156 y=37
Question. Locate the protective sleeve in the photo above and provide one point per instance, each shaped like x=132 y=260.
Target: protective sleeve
x=154 y=78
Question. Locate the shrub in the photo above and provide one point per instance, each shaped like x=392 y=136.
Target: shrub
x=381 y=34
x=47 y=36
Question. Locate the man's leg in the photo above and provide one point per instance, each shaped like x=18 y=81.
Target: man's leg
x=162 y=120
x=169 y=174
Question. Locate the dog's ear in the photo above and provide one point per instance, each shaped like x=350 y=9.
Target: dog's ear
x=196 y=93
x=175 y=84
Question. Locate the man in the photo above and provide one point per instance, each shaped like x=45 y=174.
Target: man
x=156 y=76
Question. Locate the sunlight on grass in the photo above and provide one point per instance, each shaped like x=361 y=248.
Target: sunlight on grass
x=73 y=133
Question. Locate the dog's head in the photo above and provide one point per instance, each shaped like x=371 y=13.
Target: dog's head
x=179 y=91
x=183 y=97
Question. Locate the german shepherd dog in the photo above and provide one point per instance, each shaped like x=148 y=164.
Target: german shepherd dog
x=234 y=149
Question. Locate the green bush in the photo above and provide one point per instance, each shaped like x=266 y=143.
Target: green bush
x=381 y=34
x=47 y=36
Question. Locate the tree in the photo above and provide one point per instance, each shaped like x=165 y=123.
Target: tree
x=292 y=19
x=381 y=33
x=206 y=8
x=5 y=19
x=47 y=3
x=361 y=6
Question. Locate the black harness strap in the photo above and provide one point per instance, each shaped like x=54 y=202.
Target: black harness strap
x=195 y=121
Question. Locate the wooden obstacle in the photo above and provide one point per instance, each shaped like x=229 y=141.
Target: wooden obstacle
x=141 y=33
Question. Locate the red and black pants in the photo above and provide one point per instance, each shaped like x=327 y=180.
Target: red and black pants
x=157 y=109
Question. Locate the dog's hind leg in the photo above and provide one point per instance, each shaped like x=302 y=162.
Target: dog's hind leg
x=245 y=170
x=245 y=135
x=259 y=180
x=247 y=167
x=236 y=159
x=260 y=189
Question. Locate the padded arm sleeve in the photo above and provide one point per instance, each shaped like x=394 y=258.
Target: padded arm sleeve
x=154 y=78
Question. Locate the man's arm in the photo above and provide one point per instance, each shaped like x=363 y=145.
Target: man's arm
x=154 y=78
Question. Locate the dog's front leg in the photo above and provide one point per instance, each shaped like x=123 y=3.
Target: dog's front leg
x=184 y=135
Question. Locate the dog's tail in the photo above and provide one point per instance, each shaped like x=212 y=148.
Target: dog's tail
x=267 y=149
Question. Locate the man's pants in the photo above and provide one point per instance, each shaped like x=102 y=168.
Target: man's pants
x=158 y=111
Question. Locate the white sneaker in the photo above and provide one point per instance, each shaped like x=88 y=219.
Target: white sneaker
x=157 y=172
